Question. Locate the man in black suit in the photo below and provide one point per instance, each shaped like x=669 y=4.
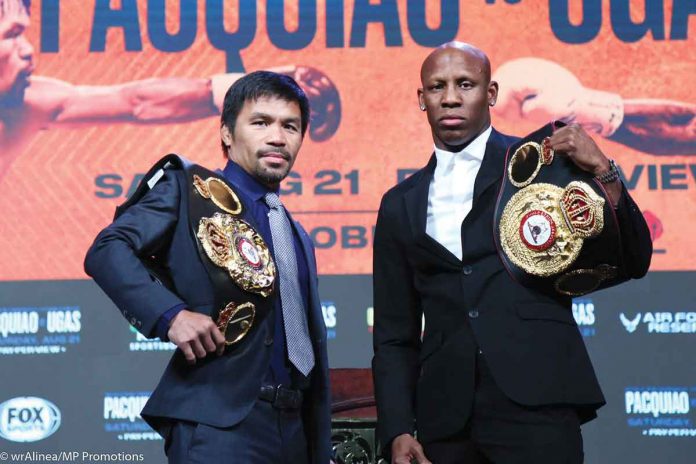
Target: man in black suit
x=212 y=262
x=501 y=373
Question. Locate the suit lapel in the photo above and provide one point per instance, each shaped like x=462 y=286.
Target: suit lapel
x=416 y=198
x=492 y=165
x=416 y=202
x=491 y=169
x=316 y=317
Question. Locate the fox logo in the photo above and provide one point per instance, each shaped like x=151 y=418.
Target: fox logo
x=630 y=324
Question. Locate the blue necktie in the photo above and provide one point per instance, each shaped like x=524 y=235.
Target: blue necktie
x=300 y=351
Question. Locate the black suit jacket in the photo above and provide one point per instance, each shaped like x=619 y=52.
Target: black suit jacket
x=218 y=390
x=531 y=341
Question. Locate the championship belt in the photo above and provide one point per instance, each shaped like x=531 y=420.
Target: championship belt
x=555 y=228
x=232 y=251
x=236 y=257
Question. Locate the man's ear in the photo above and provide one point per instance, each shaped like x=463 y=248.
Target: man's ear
x=421 y=100
x=492 y=93
x=225 y=136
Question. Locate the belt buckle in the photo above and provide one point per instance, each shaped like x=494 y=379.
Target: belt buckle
x=276 y=389
x=281 y=397
x=286 y=398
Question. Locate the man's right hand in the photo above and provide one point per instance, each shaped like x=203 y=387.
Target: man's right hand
x=195 y=335
x=405 y=449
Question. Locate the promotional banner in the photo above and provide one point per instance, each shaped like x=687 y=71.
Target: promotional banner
x=95 y=91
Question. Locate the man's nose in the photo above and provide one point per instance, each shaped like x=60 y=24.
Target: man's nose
x=26 y=49
x=451 y=97
x=276 y=135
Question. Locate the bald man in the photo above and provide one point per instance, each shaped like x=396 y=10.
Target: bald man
x=500 y=372
x=29 y=103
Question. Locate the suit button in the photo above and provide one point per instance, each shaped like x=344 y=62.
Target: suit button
x=473 y=314
x=268 y=341
x=467 y=270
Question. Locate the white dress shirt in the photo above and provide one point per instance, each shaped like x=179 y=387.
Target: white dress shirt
x=452 y=192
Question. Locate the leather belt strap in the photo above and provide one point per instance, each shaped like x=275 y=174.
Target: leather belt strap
x=281 y=397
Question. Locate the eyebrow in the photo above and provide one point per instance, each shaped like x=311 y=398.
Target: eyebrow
x=462 y=77
x=13 y=26
x=259 y=114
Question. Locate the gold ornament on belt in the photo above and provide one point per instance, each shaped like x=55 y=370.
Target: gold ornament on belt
x=235 y=246
x=235 y=321
x=219 y=193
x=527 y=161
x=543 y=226
x=583 y=210
x=581 y=281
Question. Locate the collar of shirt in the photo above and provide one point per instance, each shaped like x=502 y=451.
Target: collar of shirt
x=473 y=151
x=246 y=182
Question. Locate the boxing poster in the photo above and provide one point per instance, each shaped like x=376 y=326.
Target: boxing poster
x=93 y=92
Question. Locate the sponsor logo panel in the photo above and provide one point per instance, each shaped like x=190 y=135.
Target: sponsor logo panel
x=140 y=342
x=584 y=314
x=659 y=322
x=41 y=330
x=28 y=419
x=330 y=312
x=122 y=416
x=661 y=411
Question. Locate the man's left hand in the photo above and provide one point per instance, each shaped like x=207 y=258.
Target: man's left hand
x=573 y=141
x=580 y=148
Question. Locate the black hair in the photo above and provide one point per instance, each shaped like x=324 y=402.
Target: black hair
x=27 y=5
x=262 y=84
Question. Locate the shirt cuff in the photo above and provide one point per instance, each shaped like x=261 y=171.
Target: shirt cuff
x=165 y=319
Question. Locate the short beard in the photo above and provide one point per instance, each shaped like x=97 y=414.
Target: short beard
x=269 y=177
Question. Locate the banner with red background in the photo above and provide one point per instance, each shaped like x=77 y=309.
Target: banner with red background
x=81 y=137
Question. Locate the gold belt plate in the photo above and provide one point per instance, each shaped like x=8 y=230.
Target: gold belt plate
x=235 y=246
x=235 y=321
x=543 y=226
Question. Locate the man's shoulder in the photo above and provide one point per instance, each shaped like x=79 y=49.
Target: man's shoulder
x=404 y=186
x=176 y=167
x=506 y=138
x=163 y=180
x=171 y=168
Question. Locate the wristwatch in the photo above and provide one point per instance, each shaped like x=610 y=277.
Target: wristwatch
x=611 y=175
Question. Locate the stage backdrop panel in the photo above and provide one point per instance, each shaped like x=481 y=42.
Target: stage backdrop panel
x=88 y=126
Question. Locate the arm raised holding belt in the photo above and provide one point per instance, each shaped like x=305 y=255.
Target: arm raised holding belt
x=576 y=143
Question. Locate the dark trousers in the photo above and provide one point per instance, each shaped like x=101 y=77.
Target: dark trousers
x=266 y=436
x=501 y=431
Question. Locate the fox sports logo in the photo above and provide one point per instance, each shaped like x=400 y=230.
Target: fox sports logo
x=27 y=419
